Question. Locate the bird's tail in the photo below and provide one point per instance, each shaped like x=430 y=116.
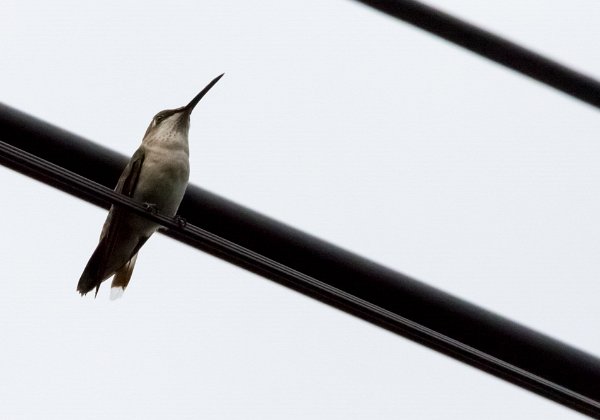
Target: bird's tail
x=121 y=279
x=94 y=272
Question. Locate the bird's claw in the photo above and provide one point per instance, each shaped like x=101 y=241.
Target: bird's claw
x=151 y=208
x=181 y=222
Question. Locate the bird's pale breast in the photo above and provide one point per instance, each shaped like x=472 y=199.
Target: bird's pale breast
x=163 y=178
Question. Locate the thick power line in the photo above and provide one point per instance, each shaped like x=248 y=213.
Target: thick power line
x=316 y=268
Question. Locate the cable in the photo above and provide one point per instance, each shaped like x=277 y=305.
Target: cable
x=493 y=47
x=318 y=269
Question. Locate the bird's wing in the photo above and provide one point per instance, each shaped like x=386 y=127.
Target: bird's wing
x=95 y=271
x=126 y=186
x=131 y=173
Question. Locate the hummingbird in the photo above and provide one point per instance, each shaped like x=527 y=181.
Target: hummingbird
x=157 y=175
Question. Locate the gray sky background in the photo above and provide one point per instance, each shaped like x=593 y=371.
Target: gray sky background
x=335 y=119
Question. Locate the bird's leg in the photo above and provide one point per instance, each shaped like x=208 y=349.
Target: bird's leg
x=181 y=222
x=151 y=208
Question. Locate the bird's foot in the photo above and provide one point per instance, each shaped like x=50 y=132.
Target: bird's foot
x=151 y=208
x=181 y=222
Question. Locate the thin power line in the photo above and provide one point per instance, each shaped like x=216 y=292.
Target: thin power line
x=318 y=269
x=493 y=47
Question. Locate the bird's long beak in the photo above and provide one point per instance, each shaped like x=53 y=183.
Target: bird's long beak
x=190 y=107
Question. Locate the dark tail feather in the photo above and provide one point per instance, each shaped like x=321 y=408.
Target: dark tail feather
x=94 y=272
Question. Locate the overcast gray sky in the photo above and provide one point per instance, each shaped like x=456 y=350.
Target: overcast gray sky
x=335 y=119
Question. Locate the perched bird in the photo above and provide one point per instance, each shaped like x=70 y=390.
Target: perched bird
x=157 y=175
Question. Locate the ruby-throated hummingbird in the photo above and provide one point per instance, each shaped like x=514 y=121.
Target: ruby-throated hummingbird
x=157 y=175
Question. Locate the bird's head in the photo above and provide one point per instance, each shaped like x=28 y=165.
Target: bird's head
x=171 y=124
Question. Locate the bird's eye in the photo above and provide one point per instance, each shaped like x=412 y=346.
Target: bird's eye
x=159 y=118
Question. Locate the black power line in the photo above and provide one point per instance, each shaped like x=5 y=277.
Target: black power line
x=493 y=47
x=316 y=268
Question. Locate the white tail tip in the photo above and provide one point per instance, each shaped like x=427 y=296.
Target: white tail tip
x=116 y=292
